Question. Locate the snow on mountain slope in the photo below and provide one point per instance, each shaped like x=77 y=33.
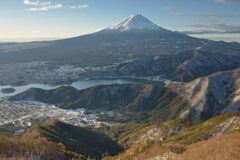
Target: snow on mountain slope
x=212 y=95
x=135 y=22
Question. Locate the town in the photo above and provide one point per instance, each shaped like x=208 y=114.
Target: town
x=21 y=115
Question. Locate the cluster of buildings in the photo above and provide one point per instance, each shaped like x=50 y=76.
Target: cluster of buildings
x=38 y=73
x=21 y=115
x=46 y=73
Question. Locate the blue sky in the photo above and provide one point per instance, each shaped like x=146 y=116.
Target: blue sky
x=24 y=20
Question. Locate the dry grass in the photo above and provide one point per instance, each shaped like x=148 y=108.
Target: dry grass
x=157 y=150
x=147 y=151
x=189 y=136
x=14 y=148
x=225 y=147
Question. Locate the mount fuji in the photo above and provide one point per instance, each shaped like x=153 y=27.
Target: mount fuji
x=133 y=38
x=135 y=22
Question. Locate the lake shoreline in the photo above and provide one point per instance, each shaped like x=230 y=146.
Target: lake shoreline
x=81 y=84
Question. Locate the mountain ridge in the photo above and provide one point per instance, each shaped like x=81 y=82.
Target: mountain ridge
x=185 y=66
x=196 y=100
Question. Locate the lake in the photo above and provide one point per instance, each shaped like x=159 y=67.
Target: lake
x=81 y=84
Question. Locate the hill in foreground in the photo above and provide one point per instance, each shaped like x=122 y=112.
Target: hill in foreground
x=81 y=141
x=58 y=140
x=176 y=139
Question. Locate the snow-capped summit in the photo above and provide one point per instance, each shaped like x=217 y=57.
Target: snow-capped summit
x=135 y=22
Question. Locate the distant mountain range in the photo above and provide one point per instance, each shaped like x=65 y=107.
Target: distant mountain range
x=132 y=38
x=197 y=100
x=185 y=66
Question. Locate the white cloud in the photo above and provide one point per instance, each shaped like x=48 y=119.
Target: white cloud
x=213 y=28
x=46 y=8
x=36 y=3
x=81 y=6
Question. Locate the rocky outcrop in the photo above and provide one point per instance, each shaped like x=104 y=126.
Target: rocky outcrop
x=212 y=95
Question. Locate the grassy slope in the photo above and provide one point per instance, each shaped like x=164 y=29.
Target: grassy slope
x=226 y=147
x=174 y=136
